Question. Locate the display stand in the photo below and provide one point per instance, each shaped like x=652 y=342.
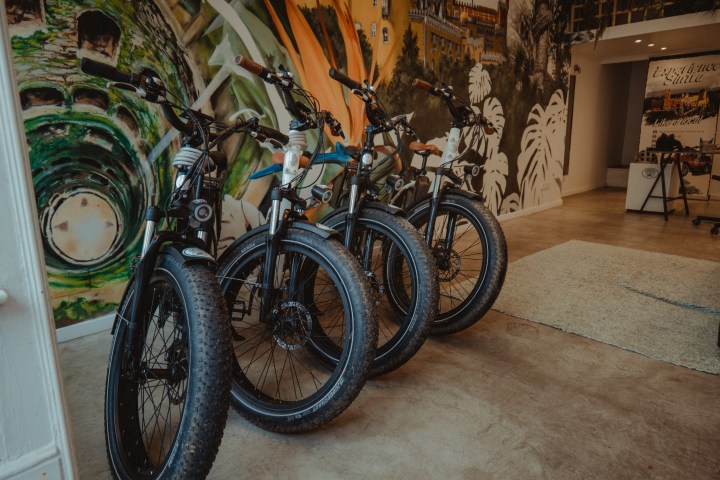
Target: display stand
x=667 y=158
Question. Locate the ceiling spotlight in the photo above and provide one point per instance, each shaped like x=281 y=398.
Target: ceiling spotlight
x=663 y=48
x=638 y=41
x=651 y=44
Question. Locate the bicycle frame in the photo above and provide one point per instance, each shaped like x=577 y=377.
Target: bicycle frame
x=448 y=157
x=286 y=206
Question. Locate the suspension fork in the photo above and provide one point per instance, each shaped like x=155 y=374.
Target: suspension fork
x=297 y=143
x=353 y=210
x=291 y=164
x=272 y=244
x=141 y=281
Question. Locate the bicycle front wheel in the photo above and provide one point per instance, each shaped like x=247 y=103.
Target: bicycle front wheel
x=303 y=361
x=471 y=257
x=167 y=391
x=403 y=278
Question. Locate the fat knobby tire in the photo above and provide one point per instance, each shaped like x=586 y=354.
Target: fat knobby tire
x=342 y=369
x=406 y=335
x=200 y=306
x=484 y=293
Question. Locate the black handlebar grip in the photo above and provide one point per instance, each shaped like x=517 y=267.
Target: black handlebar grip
x=98 y=69
x=272 y=134
x=252 y=67
x=345 y=80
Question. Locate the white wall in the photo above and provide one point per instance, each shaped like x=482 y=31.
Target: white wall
x=606 y=121
x=34 y=440
x=590 y=129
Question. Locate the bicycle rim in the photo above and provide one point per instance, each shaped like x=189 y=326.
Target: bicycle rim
x=290 y=362
x=460 y=252
x=151 y=392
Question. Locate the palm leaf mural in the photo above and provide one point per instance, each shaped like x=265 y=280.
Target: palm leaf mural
x=510 y=204
x=480 y=84
x=494 y=180
x=542 y=149
x=495 y=167
x=493 y=111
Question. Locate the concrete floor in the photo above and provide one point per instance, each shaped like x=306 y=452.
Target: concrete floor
x=505 y=399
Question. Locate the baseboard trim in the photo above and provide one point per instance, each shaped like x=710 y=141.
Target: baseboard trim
x=86 y=327
x=583 y=189
x=26 y=466
x=531 y=210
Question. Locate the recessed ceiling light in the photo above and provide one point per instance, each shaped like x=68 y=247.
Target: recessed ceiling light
x=663 y=48
x=638 y=41
x=651 y=44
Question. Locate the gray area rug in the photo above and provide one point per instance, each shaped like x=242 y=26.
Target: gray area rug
x=662 y=306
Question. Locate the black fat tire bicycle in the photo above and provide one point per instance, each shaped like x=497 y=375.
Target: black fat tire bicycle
x=302 y=358
x=303 y=325
x=465 y=237
x=167 y=390
x=391 y=252
x=150 y=432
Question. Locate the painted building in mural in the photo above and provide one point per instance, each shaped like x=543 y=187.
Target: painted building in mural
x=458 y=28
x=100 y=156
x=384 y=23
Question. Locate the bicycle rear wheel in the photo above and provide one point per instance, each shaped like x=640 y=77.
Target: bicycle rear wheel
x=471 y=257
x=166 y=404
x=306 y=360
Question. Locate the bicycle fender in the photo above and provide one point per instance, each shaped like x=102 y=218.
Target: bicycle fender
x=466 y=193
x=385 y=207
x=306 y=225
x=187 y=253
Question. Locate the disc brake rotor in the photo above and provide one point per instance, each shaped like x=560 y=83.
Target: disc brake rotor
x=293 y=326
x=448 y=263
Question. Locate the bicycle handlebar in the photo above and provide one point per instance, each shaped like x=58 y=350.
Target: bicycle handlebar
x=428 y=87
x=270 y=133
x=267 y=74
x=252 y=67
x=460 y=112
x=146 y=87
x=98 y=69
x=345 y=80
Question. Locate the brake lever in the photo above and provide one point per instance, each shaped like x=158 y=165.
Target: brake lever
x=336 y=129
x=286 y=79
x=128 y=87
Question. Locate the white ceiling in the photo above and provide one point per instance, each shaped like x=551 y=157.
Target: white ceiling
x=679 y=35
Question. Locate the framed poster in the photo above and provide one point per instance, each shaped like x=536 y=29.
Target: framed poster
x=680 y=112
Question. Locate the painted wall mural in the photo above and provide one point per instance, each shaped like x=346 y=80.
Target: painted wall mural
x=100 y=156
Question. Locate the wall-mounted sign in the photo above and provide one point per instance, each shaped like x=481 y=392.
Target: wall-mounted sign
x=680 y=112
